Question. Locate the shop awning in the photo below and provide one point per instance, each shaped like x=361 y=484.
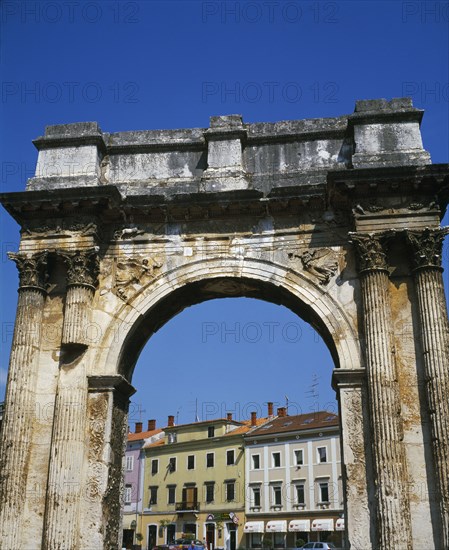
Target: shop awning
x=276 y=527
x=299 y=525
x=253 y=527
x=340 y=524
x=323 y=525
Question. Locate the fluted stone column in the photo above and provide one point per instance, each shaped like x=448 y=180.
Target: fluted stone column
x=20 y=396
x=82 y=272
x=65 y=492
x=389 y=465
x=426 y=248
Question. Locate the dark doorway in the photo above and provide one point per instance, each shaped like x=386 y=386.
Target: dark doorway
x=128 y=538
x=171 y=533
x=152 y=536
x=232 y=536
x=210 y=536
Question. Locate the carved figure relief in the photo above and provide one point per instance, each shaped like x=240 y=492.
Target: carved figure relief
x=134 y=272
x=321 y=263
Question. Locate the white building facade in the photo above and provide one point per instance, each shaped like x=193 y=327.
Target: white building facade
x=293 y=487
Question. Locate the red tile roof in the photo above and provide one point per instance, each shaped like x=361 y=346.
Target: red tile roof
x=157 y=443
x=247 y=426
x=309 y=421
x=142 y=435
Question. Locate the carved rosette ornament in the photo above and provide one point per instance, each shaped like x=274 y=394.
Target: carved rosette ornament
x=20 y=395
x=426 y=253
x=82 y=276
x=389 y=463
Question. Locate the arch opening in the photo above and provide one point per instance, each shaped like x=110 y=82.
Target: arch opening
x=158 y=317
x=208 y=289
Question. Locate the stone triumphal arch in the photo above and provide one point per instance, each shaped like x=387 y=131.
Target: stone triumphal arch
x=338 y=219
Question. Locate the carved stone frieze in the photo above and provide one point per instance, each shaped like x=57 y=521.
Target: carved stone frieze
x=128 y=233
x=370 y=249
x=322 y=263
x=361 y=209
x=32 y=269
x=426 y=247
x=132 y=273
x=364 y=208
x=47 y=230
x=82 y=267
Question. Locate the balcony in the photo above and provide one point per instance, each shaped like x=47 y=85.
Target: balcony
x=187 y=506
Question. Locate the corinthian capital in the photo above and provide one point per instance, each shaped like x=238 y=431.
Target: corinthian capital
x=82 y=267
x=32 y=269
x=426 y=247
x=371 y=254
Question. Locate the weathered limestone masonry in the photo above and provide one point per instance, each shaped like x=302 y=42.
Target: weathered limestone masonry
x=337 y=219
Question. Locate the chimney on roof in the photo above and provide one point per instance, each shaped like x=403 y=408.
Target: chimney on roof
x=282 y=411
x=171 y=421
x=253 y=419
x=151 y=425
x=229 y=416
x=138 y=427
x=270 y=408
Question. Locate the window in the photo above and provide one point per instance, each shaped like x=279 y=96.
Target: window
x=154 y=466
x=276 y=460
x=211 y=431
x=171 y=494
x=210 y=460
x=300 y=493
x=129 y=463
x=172 y=464
x=256 y=540
x=128 y=494
x=299 y=459
x=153 y=495
x=190 y=497
x=191 y=462
x=256 y=496
x=230 y=457
x=324 y=492
x=278 y=540
x=256 y=462
x=322 y=454
x=230 y=490
x=172 y=437
x=277 y=495
x=210 y=492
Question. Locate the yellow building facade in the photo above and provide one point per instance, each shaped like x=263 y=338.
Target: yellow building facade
x=194 y=485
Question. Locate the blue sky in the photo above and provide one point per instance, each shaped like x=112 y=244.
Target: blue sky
x=149 y=64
